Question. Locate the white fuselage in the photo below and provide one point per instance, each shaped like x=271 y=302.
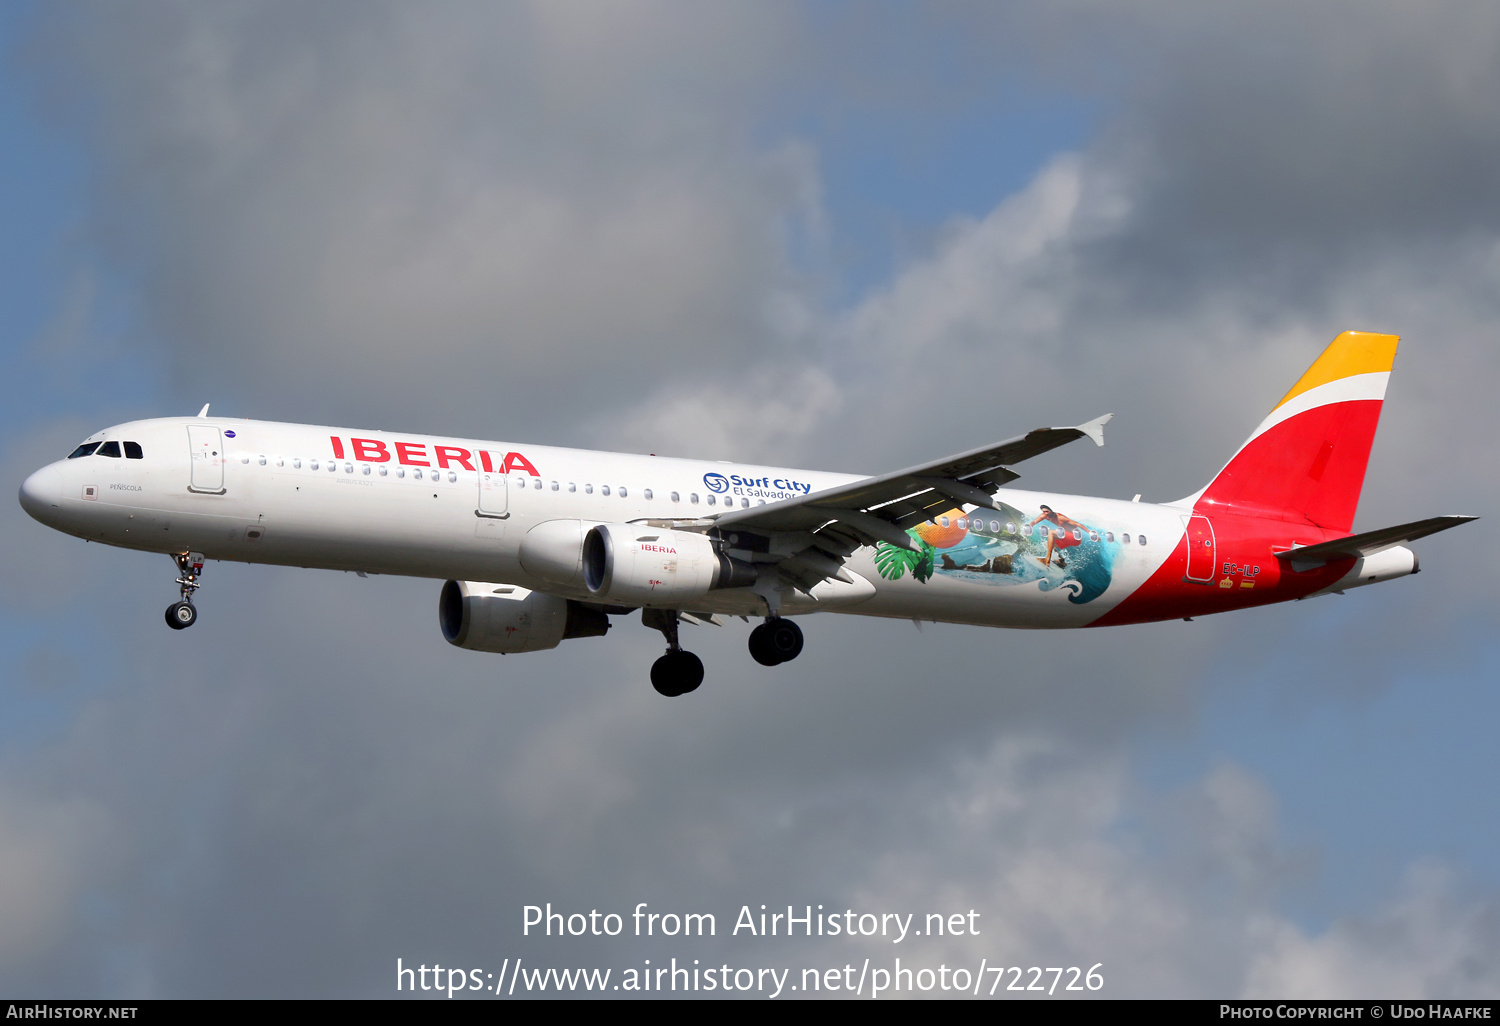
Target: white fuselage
x=423 y=506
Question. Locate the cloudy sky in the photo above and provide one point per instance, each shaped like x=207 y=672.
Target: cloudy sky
x=840 y=235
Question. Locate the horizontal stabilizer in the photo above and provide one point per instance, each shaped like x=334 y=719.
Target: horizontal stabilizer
x=1357 y=546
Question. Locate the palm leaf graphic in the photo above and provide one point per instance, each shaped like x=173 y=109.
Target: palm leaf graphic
x=893 y=562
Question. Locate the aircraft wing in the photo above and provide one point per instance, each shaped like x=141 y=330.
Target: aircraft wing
x=1357 y=546
x=836 y=521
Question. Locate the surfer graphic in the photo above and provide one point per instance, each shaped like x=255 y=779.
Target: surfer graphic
x=1068 y=532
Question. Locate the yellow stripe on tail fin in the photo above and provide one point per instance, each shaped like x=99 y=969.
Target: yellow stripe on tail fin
x=1353 y=352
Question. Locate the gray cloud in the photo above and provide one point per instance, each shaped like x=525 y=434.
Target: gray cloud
x=487 y=210
x=486 y=220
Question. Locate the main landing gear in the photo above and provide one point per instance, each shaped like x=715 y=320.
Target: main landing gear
x=183 y=614
x=775 y=641
x=677 y=672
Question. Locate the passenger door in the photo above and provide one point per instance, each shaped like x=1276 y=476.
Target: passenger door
x=206 y=459
x=1202 y=554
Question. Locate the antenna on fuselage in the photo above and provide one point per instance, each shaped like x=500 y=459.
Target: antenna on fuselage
x=204 y=412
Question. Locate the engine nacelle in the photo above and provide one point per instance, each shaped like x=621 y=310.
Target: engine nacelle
x=503 y=618
x=637 y=565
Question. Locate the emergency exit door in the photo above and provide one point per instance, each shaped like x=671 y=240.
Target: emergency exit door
x=494 y=494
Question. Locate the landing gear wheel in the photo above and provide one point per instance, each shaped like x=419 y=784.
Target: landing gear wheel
x=760 y=647
x=189 y=568
x=181 y=615
x=776 y=641
x=676 y=673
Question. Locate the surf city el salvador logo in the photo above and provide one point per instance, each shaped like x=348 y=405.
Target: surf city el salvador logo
x=768 y=488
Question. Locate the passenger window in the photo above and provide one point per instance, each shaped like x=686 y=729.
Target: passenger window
x=133 y=451
x=279 y=461
x=745 y=503
x=712 y=501
x=83 y=450
x=312 y=464
x=297 y=463
x=604 y=489
x=364 y=469
x=944 y=520
x=554 y=486
x=400 y=471
x=536 y=482
x=110 y=449
x=416 y=474
x=348 y=468
x=1077 y=534
x=647 y=494
x=1141 y=539
x=588 y=489
x=383 y=470
x=263 y=462
x=572 y=487
x=676 y=497
x=453 y=476
x=693 y=498
x=1125 y=538
x=622 y=491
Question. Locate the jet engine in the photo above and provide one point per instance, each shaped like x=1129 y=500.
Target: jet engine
x=639 y=565
x=502 y=618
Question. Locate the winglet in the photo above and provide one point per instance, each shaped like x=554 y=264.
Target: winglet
x=204 y=412
x=1095 y=428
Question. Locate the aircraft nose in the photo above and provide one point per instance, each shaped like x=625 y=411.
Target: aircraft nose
x=41 y=493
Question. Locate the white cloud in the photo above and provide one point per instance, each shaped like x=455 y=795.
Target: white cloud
x=1429 y=941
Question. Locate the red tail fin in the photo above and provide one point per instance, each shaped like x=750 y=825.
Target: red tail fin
x=1306 y=462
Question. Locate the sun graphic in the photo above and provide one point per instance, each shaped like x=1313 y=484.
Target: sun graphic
x=939 y=537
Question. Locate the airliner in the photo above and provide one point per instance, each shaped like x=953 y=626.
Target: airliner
x=537 y=545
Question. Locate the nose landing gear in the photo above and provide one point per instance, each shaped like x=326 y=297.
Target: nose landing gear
x=677 y=672
x=776 y=641
x=183 y=614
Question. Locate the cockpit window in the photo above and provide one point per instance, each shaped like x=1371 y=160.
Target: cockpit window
x=110 y=449
x=133 y=451
x=84 y=450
